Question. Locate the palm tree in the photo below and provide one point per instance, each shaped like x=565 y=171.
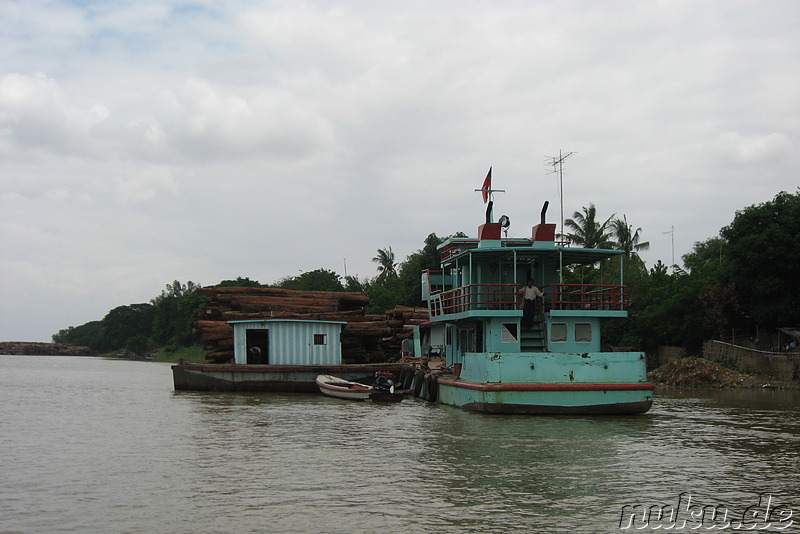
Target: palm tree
x=587 y=232
x=386 y=263
x=627 y=238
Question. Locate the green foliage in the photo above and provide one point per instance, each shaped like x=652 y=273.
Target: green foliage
x=138 y=344
x=91 y=334
x=239 y=282
x=404 y=288
x=762 y=254
x=191 y=354
x=318 y=280
x=411 y=271
x=125 y=322
x=627 y=238
x=353 y=285
x=167 y=320
x=587 y=231
x=174 y=314
x=386 y=263
x=384 y=294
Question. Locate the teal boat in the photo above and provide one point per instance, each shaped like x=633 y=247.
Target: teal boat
x=496 y=362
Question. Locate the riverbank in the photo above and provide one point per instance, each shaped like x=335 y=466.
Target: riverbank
x=697 y=372
x=193 y=354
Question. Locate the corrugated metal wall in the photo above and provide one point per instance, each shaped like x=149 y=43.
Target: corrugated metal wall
x=292 y=342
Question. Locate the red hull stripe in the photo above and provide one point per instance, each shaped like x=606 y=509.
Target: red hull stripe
x=546 y=387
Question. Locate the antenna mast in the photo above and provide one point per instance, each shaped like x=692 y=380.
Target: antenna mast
x=557 y=162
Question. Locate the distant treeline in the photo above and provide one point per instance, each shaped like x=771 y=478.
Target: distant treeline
x=743 y=278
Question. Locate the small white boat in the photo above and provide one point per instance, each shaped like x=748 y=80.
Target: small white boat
x=344 y=389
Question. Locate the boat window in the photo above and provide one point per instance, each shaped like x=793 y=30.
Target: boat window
x=320 y=339
x=583 y=333
x=558 y=332
x=508 y=334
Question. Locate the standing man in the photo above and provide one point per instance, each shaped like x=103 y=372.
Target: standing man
x=529 y=295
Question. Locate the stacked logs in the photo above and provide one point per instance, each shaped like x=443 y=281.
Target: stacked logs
x=401 y=320
x=365 y=338
x=44 y=349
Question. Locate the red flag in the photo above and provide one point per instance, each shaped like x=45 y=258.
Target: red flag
x=487 y=186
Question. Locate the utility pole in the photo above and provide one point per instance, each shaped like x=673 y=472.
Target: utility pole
x=671 y=232
x=557 y=162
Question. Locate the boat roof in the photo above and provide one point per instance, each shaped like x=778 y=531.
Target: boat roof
x=793 y=331
x=525 y=249
x=278 y=320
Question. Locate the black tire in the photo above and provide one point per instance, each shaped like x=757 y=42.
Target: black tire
x=416 y=383
x=425 y=391
x=433 y=388
x=406 y=376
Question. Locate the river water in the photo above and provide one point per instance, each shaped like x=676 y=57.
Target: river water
x=96 y=445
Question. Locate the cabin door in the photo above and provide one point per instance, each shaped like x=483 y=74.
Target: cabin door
x=257 y=346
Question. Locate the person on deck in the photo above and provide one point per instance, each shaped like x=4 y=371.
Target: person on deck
x=529 y=295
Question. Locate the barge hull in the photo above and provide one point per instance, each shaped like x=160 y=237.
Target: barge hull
x=277 y=378
x=550 y=399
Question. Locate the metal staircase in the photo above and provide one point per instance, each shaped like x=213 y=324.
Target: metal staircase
x=532 y=339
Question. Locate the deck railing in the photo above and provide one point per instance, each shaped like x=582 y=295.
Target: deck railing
x=584 y=297
x=591 y=297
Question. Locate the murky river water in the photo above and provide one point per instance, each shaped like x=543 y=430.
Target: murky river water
x=93 y=445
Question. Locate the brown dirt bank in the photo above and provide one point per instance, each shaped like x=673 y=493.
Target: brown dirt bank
x=700 y=372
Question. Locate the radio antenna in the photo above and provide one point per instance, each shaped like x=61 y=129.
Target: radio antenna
x=557 y=162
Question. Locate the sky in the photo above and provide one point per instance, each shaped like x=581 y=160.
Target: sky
x=159 y=140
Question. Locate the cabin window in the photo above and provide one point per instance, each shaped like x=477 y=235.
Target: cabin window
x=320 y=339
x=583 y=333
x=508 y=334
x=558 y=332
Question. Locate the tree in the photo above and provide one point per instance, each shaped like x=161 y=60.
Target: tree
x=411 y=270
x=763 y=247
x=125 y=322
x=317 y=280
x=586 y=231
x=384 y=294
x=628 y=238
x=386 y=262
x=173 y=318
x=239 y=282
x=91 y=334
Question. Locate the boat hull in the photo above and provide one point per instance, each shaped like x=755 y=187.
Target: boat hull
x=278 y=378
x=343 y=389
x=544 y=399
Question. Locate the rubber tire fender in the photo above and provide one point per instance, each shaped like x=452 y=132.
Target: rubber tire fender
x=416 y=383
x=433 y=388
x=425 y=391
x=406 y=376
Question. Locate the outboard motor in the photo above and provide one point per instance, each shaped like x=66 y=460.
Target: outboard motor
x=383 y=381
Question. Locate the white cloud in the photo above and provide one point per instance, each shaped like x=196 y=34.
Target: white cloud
x=754 y=150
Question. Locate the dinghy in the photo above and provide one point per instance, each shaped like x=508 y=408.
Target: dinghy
x=344 y=389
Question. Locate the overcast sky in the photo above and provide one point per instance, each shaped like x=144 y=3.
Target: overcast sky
x=143 y=142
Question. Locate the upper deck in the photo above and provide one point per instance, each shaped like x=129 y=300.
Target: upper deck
x=482 y=277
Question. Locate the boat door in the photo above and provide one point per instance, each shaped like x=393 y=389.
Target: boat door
x=257 y=343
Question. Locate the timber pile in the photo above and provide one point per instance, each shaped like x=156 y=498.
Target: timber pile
x=366 y=338
x=44 y=349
